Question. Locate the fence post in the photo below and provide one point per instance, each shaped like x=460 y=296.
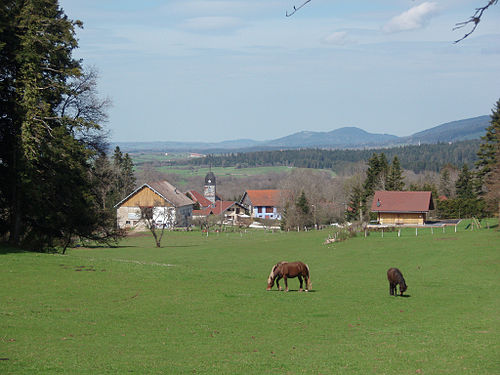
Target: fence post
x=432 y=230
x=382 y=232
x=416 y=232
x=455 y=228
x=399 y=232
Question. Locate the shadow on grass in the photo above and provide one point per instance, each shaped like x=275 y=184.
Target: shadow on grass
x=179 y=246
x=292 y=290
x=9 y=249
x=102 y=247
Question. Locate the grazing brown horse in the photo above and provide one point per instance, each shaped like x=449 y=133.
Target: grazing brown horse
x=284 y=270
x=395 y=277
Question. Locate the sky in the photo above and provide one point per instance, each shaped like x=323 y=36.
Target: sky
x=215 y=70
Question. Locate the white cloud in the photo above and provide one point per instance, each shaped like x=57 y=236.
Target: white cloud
x=414 y=18
x=338 y=38
x=212 y=23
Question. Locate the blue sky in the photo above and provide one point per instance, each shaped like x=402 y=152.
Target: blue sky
x=214 y=70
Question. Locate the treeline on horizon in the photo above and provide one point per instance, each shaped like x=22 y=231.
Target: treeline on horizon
x=418 y=158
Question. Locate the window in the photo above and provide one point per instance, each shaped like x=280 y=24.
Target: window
x=269 y=210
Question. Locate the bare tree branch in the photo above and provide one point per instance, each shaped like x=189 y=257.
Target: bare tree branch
x=295 y=9
x=474 y=19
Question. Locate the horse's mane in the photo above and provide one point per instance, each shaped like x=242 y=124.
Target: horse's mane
x=275 y=268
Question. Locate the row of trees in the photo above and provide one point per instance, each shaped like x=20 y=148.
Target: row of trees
x=53 y=173
x=471 y=193
x=478 y=191
x=380 y=175
x=426 y=157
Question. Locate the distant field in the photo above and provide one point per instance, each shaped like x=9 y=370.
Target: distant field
x=144 y=157
x=227 y=171
x=195 y=171
x=199 y=306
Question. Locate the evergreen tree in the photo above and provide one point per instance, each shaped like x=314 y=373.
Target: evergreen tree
x=372 y=181
x=465 y=184
x=384 y=171
x=124 y=179
x=445 y=183
x=48 y=193
x=302 y=204
x=395 y=178
x=488 y=163
x=355 y=207
x=490 y=144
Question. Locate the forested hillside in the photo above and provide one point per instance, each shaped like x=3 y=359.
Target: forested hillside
x=426 y=157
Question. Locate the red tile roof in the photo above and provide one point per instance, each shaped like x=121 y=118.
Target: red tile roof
x=198 y=197
x=268 y=198
x=219 y=205
x=402 y=201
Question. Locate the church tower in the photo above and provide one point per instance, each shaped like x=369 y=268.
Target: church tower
x=209 y=190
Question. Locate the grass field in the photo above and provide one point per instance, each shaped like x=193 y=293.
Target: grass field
x=225 y=171
x=199 y=306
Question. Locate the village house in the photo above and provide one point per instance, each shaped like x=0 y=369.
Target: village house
x=170 y=206
x=263 y=204
x=231 y=212
x=199 y=199
x=210 y=203
x=402 y=207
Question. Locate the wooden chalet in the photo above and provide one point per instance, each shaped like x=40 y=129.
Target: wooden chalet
x=402 y=207
x=171 y=207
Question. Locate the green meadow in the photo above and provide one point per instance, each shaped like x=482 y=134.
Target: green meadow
x=199 y=305
x=229 y=171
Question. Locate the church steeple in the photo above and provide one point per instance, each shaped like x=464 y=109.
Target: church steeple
x=209 y=190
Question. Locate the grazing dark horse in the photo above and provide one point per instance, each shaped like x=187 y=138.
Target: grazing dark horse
x=285 y=270
x=395 y=277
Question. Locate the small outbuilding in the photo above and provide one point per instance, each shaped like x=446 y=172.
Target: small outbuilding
x=170 y=206
x=402 y=207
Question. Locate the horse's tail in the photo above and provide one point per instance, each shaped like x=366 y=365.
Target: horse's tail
x=309 y=282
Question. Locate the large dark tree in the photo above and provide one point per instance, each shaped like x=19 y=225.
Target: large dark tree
x=488 y=163
x=50 y=134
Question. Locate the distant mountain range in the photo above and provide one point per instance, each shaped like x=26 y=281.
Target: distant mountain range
x=346 y=137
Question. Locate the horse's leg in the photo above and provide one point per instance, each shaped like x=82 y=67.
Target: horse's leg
x=278 y=282
x=300 y=280
x=391 y=289
x=306 y=279
x=286 y=283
